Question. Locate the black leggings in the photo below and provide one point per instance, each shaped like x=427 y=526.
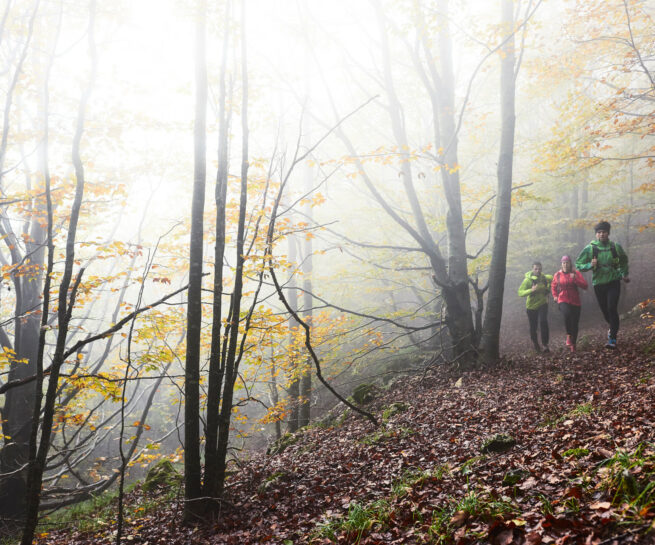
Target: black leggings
x=571 y=315
x=538 y=316
x=608 y=301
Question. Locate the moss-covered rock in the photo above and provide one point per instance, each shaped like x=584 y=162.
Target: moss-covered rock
x=393 y=410
x=383 y=434
x=364 y=393
x=270 y=481
x=162 y=475
x=333 y=419
x=514 y=476
x=575 y=453
x=283 y=443
x=497 y=443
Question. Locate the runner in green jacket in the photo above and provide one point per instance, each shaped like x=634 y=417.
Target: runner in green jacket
x=536 y=287
x=609 y=264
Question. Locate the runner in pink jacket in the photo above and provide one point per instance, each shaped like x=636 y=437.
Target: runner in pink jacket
x=564 y=288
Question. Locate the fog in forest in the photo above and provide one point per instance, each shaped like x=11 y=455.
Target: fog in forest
x=374 y=147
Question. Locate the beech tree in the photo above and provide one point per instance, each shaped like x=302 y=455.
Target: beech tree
x=503 y=203
x=204 y=489
x=47 y=342
x=595 y=148
x=192 y=469
x=443 y=241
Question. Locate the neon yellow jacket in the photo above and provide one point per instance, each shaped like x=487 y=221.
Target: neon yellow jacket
x=538 y=297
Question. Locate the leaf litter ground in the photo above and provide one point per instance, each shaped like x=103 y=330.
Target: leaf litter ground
x=582 y=469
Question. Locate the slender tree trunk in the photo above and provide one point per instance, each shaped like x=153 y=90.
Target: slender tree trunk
x=192 y=469
x=274 y=393
x=574 y=211
x=292 y=296
x=17 y=410
x=36 y=236
x=583 y=209
x=631 y=193
x=231 y=363
x=497 y=269
x=67 y=294
x=304 y=415
x=216 y=362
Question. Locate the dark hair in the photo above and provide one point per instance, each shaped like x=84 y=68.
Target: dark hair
x=537 y=263
x=602 y=226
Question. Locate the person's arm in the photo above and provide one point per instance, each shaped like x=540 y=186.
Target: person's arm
x=525 y=288
x=623 y=262
x=580 y=280
x=554 y=287
x=583 y=263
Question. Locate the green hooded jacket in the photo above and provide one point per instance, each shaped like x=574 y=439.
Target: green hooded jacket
x=609 y=268
x=539 y=297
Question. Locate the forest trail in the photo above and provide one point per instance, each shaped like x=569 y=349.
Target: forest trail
x=581 y=469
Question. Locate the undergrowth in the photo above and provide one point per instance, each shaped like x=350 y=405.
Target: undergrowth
x=630 y=479
x=101 y=512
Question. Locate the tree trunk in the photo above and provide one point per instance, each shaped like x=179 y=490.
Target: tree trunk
x=16 y=414
x=216 y=361
x=192 y=507
x=232 y=362
x=292 y=296
x=67 y=294
x=450 y=276
x=497 y=269
x=304 y=415
x=454 y=285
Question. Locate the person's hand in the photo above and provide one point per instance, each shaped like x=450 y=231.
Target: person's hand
x=571 y=275
x=594 y=262
x=626 y=279
x=534 y=288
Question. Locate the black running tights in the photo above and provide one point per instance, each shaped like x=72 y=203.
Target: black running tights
x=608 y=301
x=571 y=315
x=539 y=316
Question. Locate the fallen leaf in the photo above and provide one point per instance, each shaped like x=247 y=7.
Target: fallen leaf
x=529 y=483
x=533 y=538
x=573 y=492
x=506 y=537
x=601 y=505
x=459 y=518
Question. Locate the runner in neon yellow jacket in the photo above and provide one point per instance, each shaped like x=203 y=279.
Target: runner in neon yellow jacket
x=536 y=287
x=538 y=296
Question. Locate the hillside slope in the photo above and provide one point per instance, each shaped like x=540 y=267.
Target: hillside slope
x=570 y=459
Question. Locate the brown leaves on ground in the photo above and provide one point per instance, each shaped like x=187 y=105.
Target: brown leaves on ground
x=422 y=478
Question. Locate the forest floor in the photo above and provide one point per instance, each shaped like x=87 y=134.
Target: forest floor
x=581 y=470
